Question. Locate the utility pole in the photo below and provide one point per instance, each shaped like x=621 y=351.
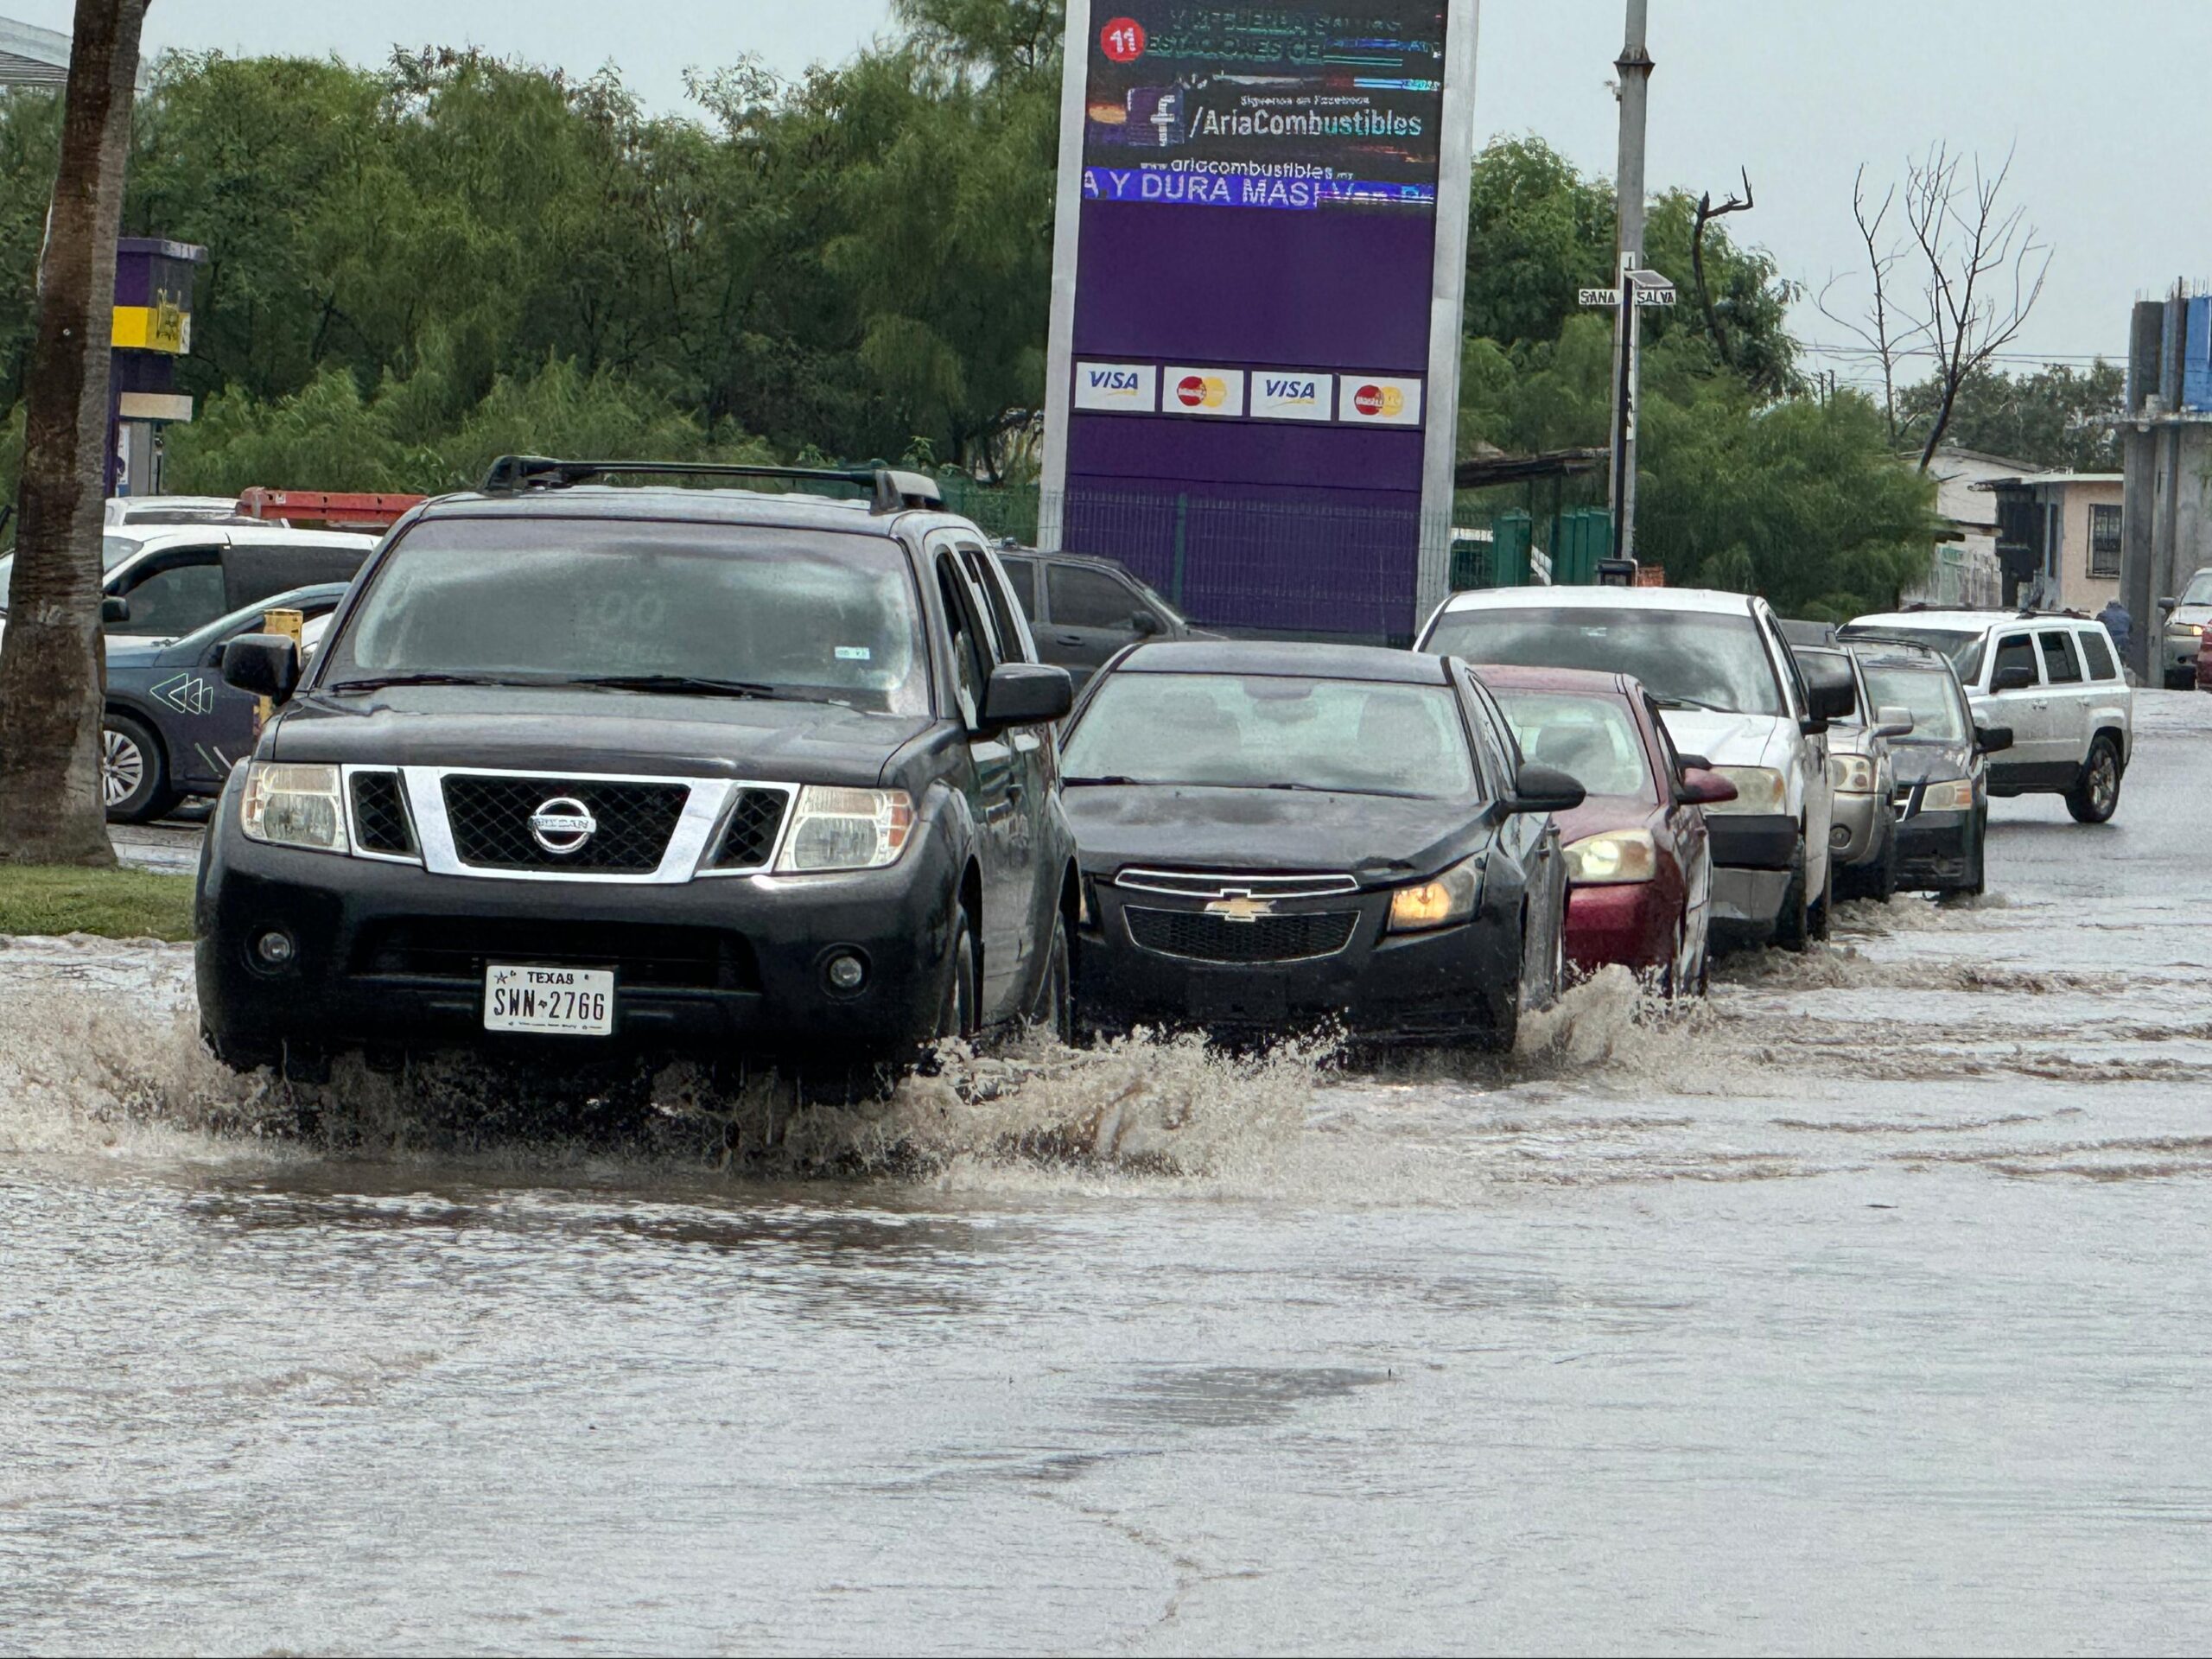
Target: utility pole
x=1634 y=67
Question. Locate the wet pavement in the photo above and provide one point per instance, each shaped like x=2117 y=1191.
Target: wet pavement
x=1859 y=1311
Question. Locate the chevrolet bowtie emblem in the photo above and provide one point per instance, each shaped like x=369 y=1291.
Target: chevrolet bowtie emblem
x=1241 y=908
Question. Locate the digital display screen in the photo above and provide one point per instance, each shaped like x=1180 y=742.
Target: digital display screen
x=1305 y=107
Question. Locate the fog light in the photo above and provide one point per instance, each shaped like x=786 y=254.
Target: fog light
x=274 y=948
x=846 y=973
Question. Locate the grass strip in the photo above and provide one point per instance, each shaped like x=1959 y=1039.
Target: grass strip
x=113 y=903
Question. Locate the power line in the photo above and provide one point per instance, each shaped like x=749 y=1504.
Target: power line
x=1867 y=354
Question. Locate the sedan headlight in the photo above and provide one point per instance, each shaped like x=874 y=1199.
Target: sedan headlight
x=1851 y=774
x=1952 y=795
x=846 y=830
x=290 y=805
x=1616 y=855
x=1450 y=897
x=2191 y=630
x=1758 y=789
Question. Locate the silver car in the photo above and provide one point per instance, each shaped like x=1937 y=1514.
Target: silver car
x=1863 y=833
x=2188 y=615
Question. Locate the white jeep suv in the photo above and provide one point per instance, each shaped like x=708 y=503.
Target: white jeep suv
x=2053 y=679
x=1731 y=693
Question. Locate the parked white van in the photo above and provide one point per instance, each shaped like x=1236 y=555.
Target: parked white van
x=1732 y=694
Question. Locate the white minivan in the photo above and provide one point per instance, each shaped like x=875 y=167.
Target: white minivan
x=1732 y=695
x=2052 y=679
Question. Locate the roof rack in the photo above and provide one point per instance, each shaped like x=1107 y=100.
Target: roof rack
x=890 y=491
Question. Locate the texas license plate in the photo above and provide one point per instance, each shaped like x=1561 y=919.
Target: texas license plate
x=549 y=1002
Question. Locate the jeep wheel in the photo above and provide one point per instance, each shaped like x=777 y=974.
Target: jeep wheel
x=134 y=782
x=2096 y=795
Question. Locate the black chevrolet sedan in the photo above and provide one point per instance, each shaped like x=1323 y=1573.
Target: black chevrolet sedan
x=1277 y=837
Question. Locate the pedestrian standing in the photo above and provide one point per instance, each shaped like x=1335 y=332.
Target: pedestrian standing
x=2118 y=624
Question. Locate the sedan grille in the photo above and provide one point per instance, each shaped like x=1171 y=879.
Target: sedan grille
x=490 y=818
x=380 y=822
x=1201 y=937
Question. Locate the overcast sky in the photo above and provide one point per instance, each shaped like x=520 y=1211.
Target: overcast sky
x=2094 y=95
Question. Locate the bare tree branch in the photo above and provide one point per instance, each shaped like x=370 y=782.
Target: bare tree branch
x=1706 y=212
x=1886 y=327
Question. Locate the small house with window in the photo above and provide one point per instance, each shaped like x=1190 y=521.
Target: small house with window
x=2058 y=537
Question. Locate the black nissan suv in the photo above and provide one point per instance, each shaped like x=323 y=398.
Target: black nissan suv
x=731 y=773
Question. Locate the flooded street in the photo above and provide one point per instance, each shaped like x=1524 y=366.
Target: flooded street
x=1860 y=1311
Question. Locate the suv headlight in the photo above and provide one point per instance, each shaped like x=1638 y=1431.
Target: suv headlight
x=1952 y=795
x=1449 y=898
x=846 y=830
x=1616 y=855
x=1851 y=774
x=290 y=805
x=1758 y=789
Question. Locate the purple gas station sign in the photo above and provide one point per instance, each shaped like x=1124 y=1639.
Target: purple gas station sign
x=1257 y=276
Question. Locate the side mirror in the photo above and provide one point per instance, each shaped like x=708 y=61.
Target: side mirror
x=267 y=664
x=1026 y=694
x=2017 y=677
x=2168 y=604
x=1893 y=719
x=1702 y=786
x=114 y=608
x=1545 y=789
x=1830 y=691
x=1992 y=740
x=1144 y=624
x=1689 y=763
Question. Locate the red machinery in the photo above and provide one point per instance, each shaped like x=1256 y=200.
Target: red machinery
x=335 y=509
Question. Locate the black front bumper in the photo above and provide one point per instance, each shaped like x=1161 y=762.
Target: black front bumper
x=1454 y=984
x=388 y=956
x=1752 y=840
x=1935 y=850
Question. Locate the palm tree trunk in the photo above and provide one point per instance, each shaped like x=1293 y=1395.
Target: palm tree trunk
x=51 y=660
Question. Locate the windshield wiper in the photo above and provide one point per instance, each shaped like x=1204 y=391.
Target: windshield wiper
x=378 y=682
x=699 y=685
x=1689 y=702
x=1109 y=780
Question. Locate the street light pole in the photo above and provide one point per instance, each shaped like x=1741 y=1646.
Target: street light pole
x=1634 y=67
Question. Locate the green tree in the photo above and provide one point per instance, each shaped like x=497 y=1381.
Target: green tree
x=2056 y=417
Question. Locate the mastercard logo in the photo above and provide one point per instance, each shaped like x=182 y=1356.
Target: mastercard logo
x=1201 y=391
x=1382 y=402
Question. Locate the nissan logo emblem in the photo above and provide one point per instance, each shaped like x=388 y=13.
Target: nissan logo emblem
x=562 y=824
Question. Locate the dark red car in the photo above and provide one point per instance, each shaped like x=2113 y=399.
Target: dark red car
x=1639 y=864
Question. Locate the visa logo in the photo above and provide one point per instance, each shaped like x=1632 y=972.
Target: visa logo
x=1114 y=380
x=1290 y=390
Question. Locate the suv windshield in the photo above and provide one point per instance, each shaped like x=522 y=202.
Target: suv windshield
x=1962 y=645
x=2199 y=591
x=1933 y=696
x=1228 y=731
x=1704 y=660
x=797 y=612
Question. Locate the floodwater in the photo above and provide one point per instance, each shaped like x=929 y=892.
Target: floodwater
x=1860 y=1311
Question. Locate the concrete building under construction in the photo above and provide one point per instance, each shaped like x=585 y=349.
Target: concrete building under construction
x=2166 y=452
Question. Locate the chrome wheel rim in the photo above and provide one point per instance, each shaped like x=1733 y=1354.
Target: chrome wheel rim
x=2104 y=784
x=123 y=767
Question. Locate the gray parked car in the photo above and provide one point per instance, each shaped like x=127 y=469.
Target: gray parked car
x=1863 y=834
x=1082 y=608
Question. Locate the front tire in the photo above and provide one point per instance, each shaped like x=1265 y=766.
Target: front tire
x=2096 y=795
x=1054 y=1010
x=1793 y=925
x=956 y=1016
x=134 y=777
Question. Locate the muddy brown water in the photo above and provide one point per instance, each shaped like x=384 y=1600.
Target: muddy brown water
x=1863 y=1310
